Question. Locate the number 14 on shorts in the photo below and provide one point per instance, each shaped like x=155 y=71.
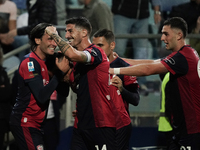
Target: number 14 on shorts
x=103 y=147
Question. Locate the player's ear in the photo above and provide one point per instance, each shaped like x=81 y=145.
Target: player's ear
x=179 y=35
x=84 y=32
x=37 y=41
x=112 y=45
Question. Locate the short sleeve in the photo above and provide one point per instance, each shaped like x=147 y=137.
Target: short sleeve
x=30 y=70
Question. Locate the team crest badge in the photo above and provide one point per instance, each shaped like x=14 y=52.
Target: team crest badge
x=40 y=147
x=30 y=66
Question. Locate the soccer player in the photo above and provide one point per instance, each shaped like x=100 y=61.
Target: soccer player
x=34 y=90
x=96 y=121
x=183 y=65
x=127 y=88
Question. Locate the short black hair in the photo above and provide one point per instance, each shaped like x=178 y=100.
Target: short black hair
x=51 y=61
x=80 y=22
x=179 y=23
x=108 y=34
x=37 y=32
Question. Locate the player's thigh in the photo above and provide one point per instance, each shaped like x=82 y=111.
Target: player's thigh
x=123 y=136
x=187 y=142
x=77 y=142
x=100 y=138
x=27 y=137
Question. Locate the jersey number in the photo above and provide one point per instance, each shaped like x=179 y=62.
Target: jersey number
x=185 y=148
x=103 y=147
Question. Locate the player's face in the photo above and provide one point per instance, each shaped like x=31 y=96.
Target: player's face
x=73 y=35
x=169 y=37
x=47 y=45
x=101 y=42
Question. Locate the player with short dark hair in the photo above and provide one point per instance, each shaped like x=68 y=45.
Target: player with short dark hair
x=96 y=122
x=125 y=89
x=183 y=64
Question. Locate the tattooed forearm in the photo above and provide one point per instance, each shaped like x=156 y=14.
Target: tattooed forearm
x=62 y=44
x=66 y=49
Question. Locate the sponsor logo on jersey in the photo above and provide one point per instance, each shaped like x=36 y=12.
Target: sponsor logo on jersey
x=30 y=66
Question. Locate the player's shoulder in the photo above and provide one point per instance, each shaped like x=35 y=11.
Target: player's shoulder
x=119 y=62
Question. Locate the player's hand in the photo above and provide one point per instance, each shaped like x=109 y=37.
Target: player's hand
x=67 y=76
x=63 y=64
x=50 y=30
x=116 y=81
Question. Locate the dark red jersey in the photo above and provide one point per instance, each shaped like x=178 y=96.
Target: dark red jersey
x=93 y=93
x=184 y=67
x=27 y=112
x=129 y=82
x=122 y=118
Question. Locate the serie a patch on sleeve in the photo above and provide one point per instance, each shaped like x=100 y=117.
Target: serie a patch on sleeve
x=30 y=66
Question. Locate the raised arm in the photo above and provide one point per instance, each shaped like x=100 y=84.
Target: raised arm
x=70 y=52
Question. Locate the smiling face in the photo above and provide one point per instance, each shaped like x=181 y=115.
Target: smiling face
x=46 y=44
x=73 y=35
x=170 y=37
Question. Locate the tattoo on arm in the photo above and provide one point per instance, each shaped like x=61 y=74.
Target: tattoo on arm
x=62 y=44
x=66 y=49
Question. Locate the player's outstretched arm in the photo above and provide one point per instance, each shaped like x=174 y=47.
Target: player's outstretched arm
x=145 y=69
x=70 y=52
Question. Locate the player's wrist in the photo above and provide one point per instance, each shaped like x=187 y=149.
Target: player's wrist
x=116 y=70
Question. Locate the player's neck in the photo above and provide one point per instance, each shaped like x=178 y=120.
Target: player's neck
x=84 y=44
x=111 y=57
x=40 y=54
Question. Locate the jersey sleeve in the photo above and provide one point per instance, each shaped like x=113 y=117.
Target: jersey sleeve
x=30 y=70
x=176 y=63
x=130 y=80
x=95 y=56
